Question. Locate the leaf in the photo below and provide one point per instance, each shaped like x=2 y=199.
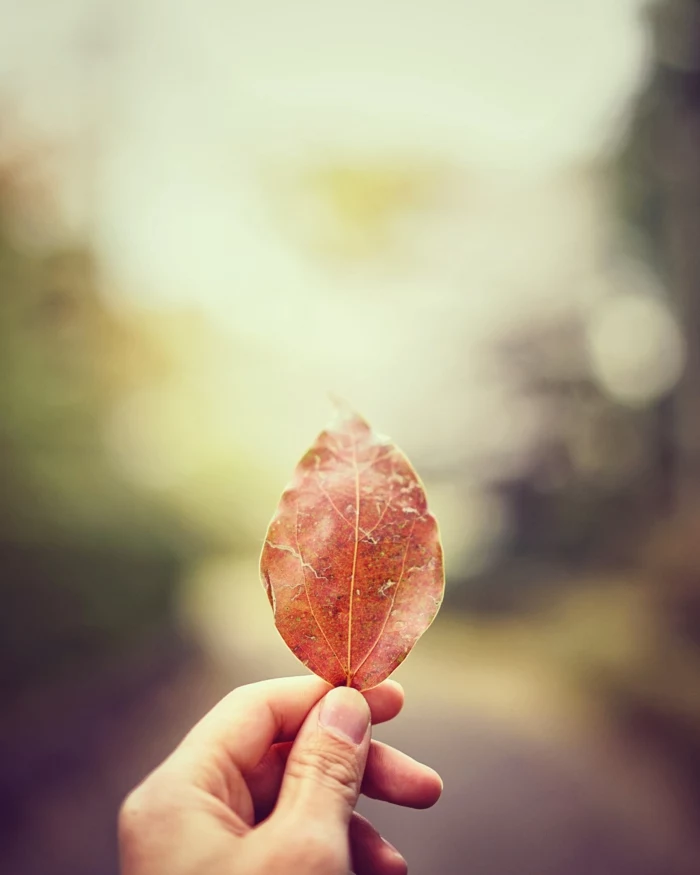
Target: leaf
x=352 y=562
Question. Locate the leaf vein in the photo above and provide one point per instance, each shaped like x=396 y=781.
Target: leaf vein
x=306 y=589
x=393 y=601
x=354 y=560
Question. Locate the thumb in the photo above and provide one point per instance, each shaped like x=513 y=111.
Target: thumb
x=327 y=761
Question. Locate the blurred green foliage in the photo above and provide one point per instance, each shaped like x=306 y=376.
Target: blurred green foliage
x=88 y=564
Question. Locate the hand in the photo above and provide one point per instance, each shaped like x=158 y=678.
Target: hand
x=267 y=782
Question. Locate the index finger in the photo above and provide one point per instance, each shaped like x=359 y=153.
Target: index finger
x=248 y=721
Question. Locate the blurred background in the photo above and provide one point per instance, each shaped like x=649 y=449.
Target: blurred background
x=480 y=224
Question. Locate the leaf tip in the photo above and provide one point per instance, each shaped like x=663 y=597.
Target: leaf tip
x=344 y=415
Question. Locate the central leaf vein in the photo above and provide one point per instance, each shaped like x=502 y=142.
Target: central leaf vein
x=354 y=560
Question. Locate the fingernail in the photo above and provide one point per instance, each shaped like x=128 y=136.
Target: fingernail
x=344 y=712
x=398 y=856
x=392 y=848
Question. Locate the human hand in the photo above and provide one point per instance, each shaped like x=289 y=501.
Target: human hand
x=267 y=782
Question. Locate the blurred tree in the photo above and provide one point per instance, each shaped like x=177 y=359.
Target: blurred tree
x=591 y=488
x=606 y=474
x=88 y=565
x=660 y=197
x=657 y=695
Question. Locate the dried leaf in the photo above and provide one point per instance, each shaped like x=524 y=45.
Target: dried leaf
x=352 y=562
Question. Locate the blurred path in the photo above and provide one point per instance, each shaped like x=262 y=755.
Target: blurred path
x=513 y=804
x=526 y=792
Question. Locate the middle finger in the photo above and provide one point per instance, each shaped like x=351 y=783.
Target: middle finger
x=390 y=776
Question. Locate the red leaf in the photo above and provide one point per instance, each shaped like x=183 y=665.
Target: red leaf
x=352 y=563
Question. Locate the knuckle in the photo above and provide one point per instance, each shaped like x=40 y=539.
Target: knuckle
x=131 y=816
x=333 y=768
x=142 y=812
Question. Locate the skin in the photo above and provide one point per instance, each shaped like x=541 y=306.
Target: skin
x=267 y=782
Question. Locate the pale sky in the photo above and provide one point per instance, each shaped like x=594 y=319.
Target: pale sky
x=189 y=128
